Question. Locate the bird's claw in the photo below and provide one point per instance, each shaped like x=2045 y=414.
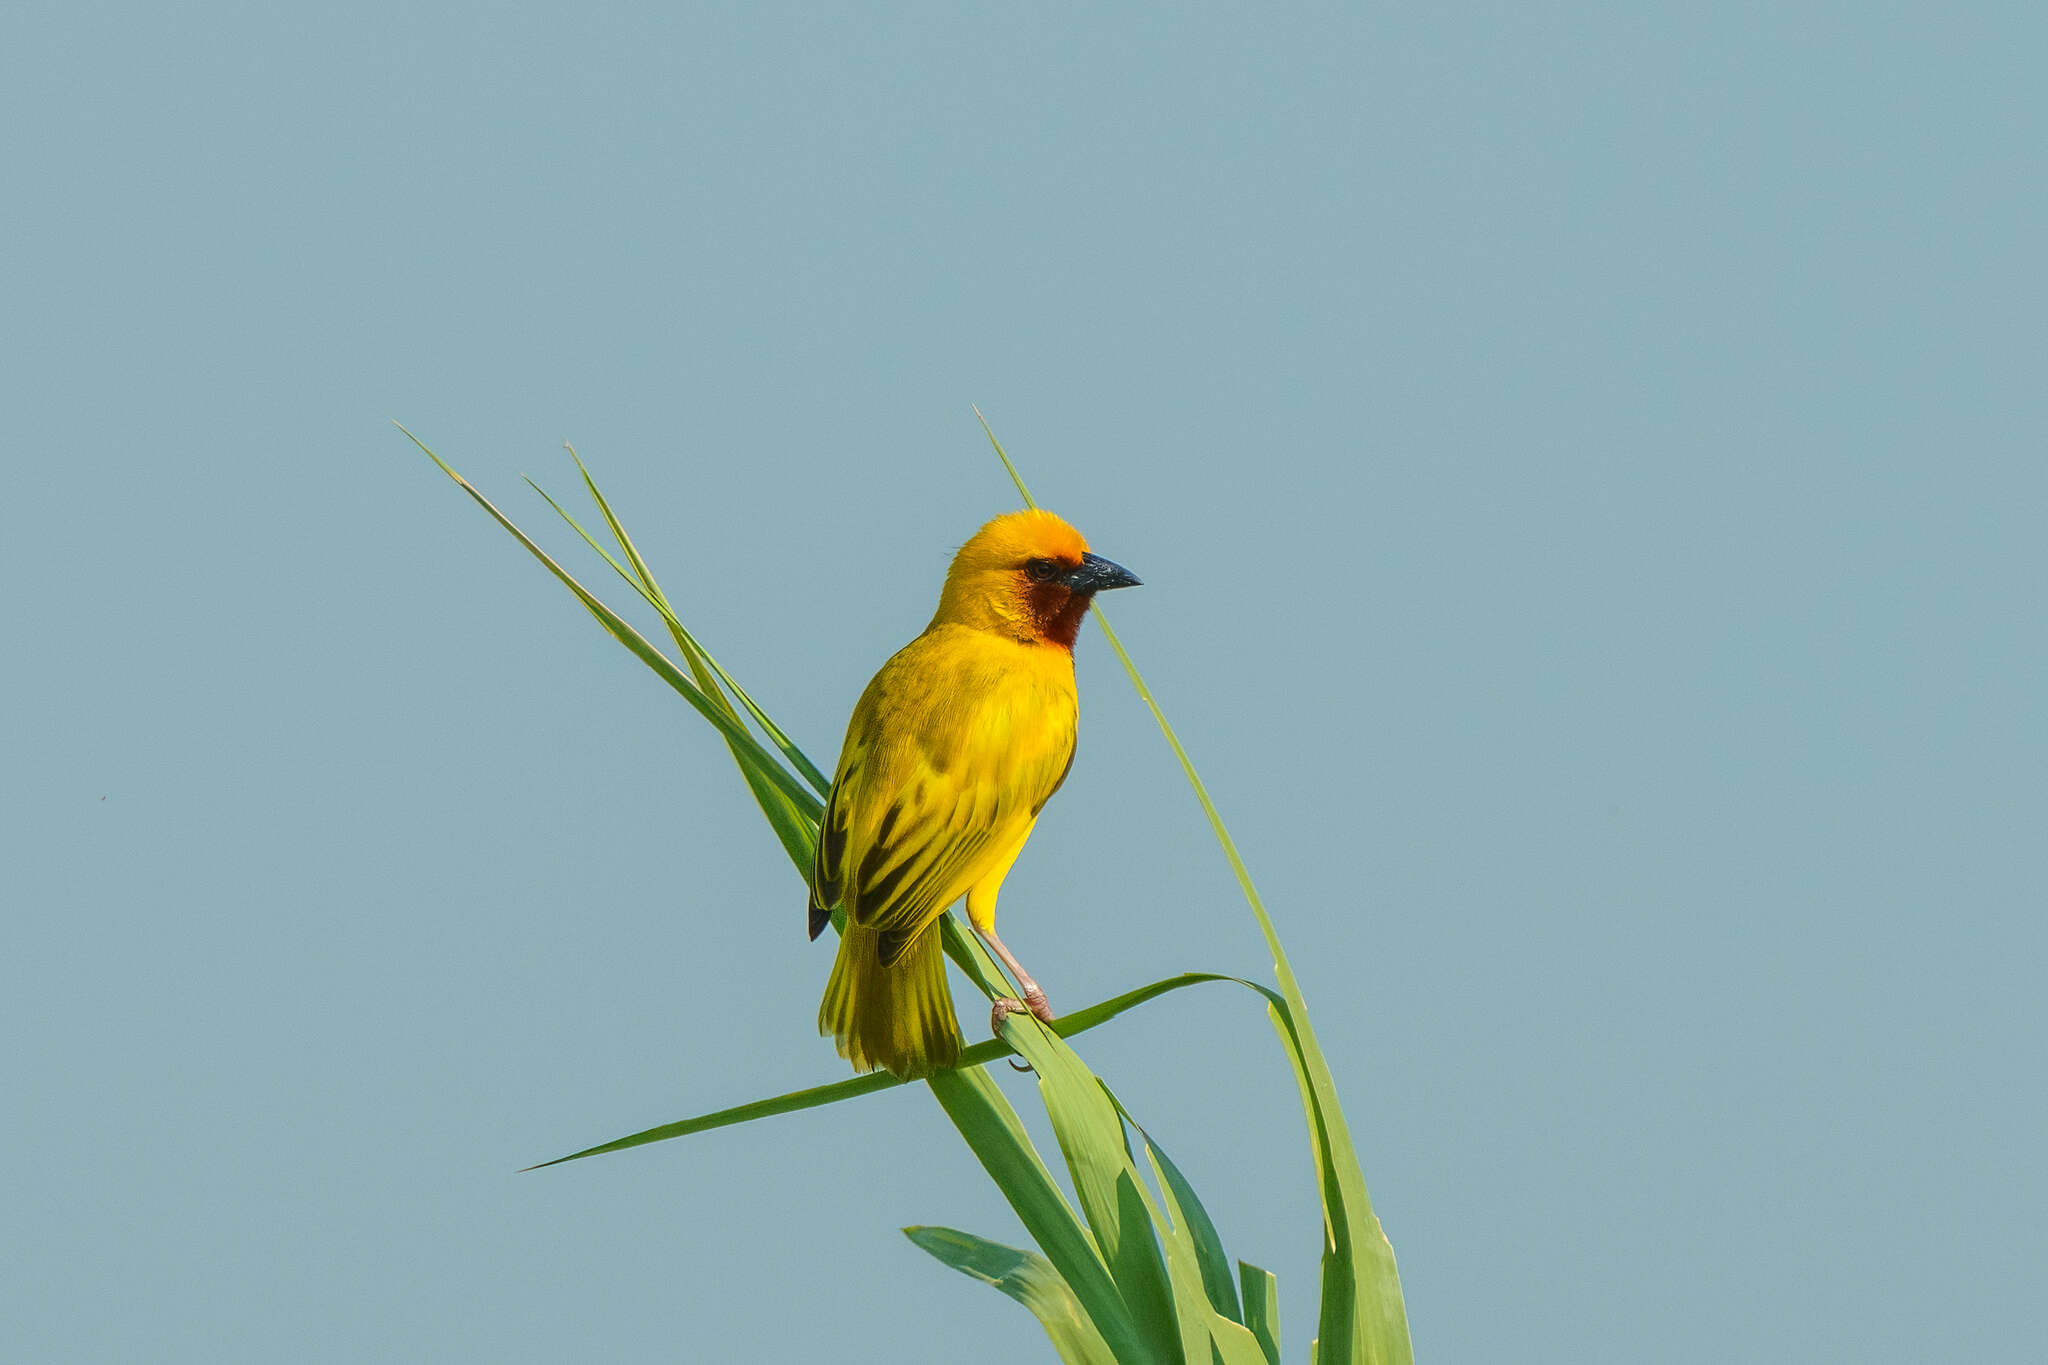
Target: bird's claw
x=1034 y=1003
x=1002 y=1009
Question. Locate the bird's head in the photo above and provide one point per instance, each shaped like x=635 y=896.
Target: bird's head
x=1027 y=575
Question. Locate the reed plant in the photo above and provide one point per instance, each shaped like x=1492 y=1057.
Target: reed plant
x=1137 y=1274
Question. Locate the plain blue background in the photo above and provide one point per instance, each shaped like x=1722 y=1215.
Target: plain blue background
x=1587 y=467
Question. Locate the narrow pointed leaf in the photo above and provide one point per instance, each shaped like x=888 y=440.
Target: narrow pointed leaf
x=1211 y=1260
x=689 y=643
x=1207 y=1308
x=984 y=1118
x=1027 y=1278
x=794 y=824
x=1206 y=1334
x=793 y=1102
x=708 y=674
x=1111 y=1191
x=1261 y=1307
x=1192 y=1313
x=981 y=1054
x=637 y=644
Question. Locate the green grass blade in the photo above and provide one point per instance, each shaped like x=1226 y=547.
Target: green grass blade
x=1206 y=1331
x=689 y=644
x=984 y=1118
x=641 y=581
x=1196 y=1320
x=794 y=1102
x=703 y=668
x=637 y=644
x=1261 y=1308
x=1344 y=1286
x=1030 y=1280
x=1363 y=1317
x=1192 y=1220
x=981 y=1054
x=1204 y=1294
x=794 y=823
x=1081 y=1020
x=1111 y=1190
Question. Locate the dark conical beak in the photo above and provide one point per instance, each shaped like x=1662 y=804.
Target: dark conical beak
x=1097 y=574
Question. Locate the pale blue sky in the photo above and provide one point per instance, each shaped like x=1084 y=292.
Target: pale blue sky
x=1586 y=464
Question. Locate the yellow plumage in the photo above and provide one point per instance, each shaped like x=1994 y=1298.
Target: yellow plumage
x=952 y=751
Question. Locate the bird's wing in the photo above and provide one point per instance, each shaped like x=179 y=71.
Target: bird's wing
x=946 y=762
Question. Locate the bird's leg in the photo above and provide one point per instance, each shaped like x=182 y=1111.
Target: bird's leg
x=1034 y=999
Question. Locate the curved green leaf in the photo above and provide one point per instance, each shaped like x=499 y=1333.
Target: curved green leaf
x=1027 y=1278
x=1112 y=1193
x=991 y=1128
x=1193 y=1220
x=981 y=1054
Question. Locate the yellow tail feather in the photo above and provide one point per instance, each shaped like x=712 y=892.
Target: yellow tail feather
x=900 y=1016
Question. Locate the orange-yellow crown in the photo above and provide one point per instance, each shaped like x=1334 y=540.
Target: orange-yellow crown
x=1015 y=538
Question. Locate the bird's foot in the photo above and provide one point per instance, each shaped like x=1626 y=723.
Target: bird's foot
x=1034 y=1003
x=1002 y=1009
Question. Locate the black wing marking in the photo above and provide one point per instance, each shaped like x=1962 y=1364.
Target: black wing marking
x=828 y=865
x=916 y=912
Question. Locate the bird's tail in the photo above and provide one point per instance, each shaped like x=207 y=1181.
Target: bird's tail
x=899 y=1016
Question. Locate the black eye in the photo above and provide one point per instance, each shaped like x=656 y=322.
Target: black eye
x=1041 y=570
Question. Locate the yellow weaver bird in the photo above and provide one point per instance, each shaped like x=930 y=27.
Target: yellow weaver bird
x=952 y=751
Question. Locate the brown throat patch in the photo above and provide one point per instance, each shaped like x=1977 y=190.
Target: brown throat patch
x=1057 y=611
